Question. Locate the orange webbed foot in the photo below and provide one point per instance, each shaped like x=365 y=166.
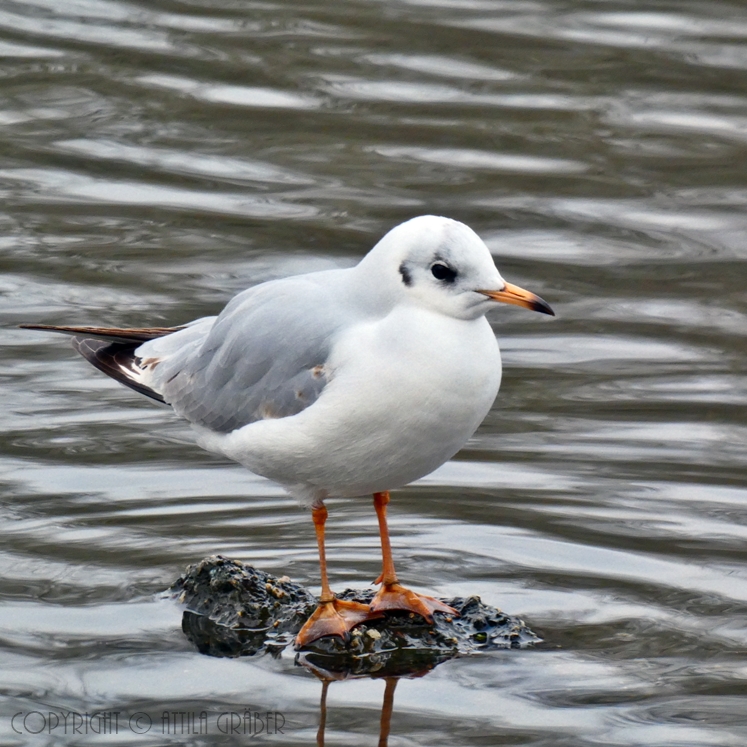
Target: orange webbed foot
x=397 y=597
x=334 y=617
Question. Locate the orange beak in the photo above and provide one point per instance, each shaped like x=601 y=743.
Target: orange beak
x=519 y=297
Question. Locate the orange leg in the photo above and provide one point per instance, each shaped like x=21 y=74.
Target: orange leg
x=333 y=616
x=392 y=595
x=319 y=515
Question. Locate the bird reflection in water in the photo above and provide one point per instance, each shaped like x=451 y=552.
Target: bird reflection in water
x=390 y=670
x=234 y=610
x=387 y=707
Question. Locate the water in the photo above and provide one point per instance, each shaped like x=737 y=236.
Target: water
x=157 y=157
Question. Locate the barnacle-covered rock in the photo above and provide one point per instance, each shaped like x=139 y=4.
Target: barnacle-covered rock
x=233 y=609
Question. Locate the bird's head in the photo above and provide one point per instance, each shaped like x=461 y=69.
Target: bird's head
x=443 y=265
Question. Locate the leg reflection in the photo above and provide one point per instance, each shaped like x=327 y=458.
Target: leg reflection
x=322 y=714
x=387 y=708
x=386 y=711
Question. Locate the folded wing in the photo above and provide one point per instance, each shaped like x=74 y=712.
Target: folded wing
x=264 y=357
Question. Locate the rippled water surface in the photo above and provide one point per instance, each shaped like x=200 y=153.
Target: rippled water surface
x=158 y=157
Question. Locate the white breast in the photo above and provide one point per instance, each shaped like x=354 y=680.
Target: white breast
x=407 y=391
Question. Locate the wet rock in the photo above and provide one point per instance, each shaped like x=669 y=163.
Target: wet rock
x=233 y=610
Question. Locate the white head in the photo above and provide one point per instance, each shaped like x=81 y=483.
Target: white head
x=442 y=264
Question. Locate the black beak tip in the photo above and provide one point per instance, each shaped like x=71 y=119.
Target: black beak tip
x=542 y=306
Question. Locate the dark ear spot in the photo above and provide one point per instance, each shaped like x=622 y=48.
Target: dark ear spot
x=406 y=277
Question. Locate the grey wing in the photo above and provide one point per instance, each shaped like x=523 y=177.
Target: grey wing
x=263 y=357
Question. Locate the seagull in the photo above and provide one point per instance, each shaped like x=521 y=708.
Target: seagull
x=336 y=384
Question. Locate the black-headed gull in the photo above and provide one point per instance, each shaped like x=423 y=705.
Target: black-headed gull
x=339 y=383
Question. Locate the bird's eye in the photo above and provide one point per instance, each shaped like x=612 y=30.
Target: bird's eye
x=443 y=272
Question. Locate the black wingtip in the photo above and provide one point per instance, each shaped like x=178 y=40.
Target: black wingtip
x=117 y=360
x=112 y=334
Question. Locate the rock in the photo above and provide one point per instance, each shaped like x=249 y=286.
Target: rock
x=233 y=610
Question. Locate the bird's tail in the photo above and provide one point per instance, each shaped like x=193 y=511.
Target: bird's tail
x=112 y=350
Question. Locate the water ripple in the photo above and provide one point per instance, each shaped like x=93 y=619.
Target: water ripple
x=251 y=96
x=161 y=156
x=54 y=186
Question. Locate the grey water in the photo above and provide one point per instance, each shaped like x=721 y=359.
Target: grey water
x=158 y=156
